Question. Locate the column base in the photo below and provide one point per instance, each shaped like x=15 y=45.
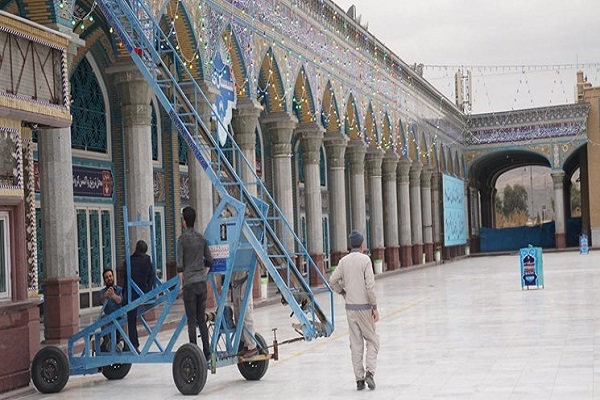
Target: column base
x=428 y=248
x=561 y=240
x=61 y=309
x=417 y=253
x=474 y=244
x=20 y=336
x=406 y=256
x=392 y=258
x=314 y=279
x=336 y=256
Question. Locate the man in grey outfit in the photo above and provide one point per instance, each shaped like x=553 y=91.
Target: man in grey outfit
x=193 y=263
x=354 y=279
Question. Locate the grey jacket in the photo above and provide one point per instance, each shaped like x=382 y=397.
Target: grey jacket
x=193 y=257
x=354 y=279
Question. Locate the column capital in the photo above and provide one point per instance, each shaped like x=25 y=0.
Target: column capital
x=426 y=175
x=373 y=161
x=132 y=85
x=136 y=114
x=389 y=166
x=311 y=139
x=245 y=121
x=247 y=107
x=436 y=177
x=403 y=169
x=335 y=149
x=356 y=151
x=415 y=173
x=280 y=127
x=558 y=178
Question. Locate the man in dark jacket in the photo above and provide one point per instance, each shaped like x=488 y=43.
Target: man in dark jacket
x=193 y=263
x=142 y=273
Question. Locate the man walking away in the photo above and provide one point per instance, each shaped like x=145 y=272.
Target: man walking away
x=193 y=263
x=354 y=280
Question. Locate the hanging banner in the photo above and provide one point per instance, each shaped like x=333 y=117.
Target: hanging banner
x=455 y=228
x=223 y=79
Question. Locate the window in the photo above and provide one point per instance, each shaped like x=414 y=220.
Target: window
x=4 y=256
x=95 y=251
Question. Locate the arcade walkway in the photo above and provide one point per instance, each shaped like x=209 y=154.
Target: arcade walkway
x=462 y=330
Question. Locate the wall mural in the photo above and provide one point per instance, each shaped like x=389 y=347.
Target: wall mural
x=455 y=228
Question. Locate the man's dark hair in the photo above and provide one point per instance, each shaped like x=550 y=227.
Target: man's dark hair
x=107 y=270
x=141 y=247
x=189 y=216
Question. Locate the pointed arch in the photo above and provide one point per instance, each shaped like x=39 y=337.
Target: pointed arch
x=436 y=156
x=387 y=137
x=303 y=103
x=238 y=66
x=351 y=121
x=270 y=91
x=413 y=142
x=444 y=160
x=424 y=150
x=457 y=169
x=401 y=144
x=371 y=132
x=177 y=23
x=330 y=115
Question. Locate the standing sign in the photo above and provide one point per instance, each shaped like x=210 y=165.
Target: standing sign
x=584 y=247
x=532 y=267
x=455 y=227
x=223 y=79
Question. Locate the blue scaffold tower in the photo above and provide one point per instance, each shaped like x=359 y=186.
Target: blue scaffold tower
x=247 y=232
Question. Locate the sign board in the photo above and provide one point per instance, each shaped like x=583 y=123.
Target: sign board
x=455 y=225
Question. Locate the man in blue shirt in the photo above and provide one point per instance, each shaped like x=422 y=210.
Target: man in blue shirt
x=112 y=297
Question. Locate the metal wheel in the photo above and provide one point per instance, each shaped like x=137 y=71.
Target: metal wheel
x=50 y=370
x=255 y=370
x=189 y=369
x=115 y=372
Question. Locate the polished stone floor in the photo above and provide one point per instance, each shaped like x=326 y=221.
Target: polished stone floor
x=460 y=330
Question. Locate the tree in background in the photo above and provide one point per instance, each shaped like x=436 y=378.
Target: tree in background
x=511 y=210
x=575 y=201
x=515 y=199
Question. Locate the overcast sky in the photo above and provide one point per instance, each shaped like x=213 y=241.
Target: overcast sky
x=493 y=33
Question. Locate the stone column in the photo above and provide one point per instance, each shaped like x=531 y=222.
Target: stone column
x=390 y=211
x=244 y=123
x=135 y=96
x=558 y=178
x=415 y=212
x=279 y=129
x=426 y=213
x=201 y=188
x=487 y=206
x=373 y=161
x=59 y=229
x=356 y=156
x=438 y=240
x=402 y=187
x=474 y=218
x=311 y=139
x=335 y=150
x=468 y=219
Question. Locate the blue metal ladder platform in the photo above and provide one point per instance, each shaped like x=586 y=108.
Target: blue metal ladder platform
x=257 y=235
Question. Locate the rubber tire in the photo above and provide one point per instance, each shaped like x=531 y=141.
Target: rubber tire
x=190 y=369
x=116 y=372
x=50 y=370
x=255 y=370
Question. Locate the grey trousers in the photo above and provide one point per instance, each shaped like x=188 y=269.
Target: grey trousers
x=237 y=292
x=362 y=332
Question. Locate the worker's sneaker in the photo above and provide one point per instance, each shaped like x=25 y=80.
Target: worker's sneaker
x=369 y=380
x=360 y=385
